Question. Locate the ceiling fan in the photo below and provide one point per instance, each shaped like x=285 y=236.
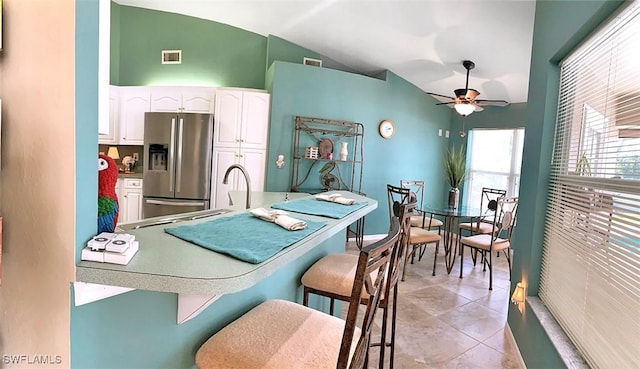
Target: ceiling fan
x=465 y=101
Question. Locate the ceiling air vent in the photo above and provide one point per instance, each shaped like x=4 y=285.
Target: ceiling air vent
x=171 y=56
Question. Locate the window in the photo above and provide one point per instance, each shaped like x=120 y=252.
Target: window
x=590 y=277
x=495 y=157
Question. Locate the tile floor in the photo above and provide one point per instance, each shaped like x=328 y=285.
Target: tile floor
x=446 y=322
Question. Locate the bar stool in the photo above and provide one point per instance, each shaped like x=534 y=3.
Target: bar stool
x=419 y=219
x=332 y=276
x=281 y=334
x=419 y=238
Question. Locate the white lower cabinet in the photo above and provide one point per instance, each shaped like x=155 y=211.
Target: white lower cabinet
x=252 y=160
x=130 y=199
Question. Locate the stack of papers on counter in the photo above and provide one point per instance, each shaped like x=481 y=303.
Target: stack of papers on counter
x=116 y=248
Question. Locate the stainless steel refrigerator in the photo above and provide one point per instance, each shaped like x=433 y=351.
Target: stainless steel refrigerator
x=177 y=170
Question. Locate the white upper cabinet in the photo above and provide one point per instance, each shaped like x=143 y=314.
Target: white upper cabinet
x=255 y=120
x=227 y=118
x=240 y=132
x=134 y=102
x=182 y=99
x=241 y=119
x=105 y=130
x=110 y=134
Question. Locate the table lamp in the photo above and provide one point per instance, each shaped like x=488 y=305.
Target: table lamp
x=113 y=153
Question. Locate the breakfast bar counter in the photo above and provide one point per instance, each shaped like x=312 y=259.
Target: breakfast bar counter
x=169 y=264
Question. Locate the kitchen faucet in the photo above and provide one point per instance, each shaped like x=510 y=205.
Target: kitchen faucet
x=246 y=178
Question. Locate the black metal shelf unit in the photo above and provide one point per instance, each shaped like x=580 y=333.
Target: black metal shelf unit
x=313 y=135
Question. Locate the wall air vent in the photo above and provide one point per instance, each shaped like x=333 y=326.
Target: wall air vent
x=314 y=62
x=171 y=56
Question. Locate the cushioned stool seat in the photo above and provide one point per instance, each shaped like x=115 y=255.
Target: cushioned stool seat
x=416 y=221
x=421 y=235
x=483 y=242
x=419 y=238
x=278 y=334
x=334 y=274
x=478 y=227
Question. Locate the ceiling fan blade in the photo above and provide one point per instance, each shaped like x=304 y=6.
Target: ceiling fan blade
x=446 y=103
x=446 y=97
x=478 y=108
x=492 y=102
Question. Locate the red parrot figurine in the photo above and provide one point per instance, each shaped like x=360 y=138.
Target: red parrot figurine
x=107 y=198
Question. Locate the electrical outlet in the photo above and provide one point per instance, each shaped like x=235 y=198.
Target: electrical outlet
x=446 y=134
x=135 y=156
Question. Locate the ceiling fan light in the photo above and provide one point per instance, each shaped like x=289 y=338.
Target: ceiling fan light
x=464 y=109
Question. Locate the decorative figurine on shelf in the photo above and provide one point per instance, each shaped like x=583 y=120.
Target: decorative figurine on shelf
x=344 y=151
x=107 y=198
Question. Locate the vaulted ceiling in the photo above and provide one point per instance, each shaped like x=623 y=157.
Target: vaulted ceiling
x=422 y=41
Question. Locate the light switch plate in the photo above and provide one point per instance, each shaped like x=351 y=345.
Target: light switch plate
x=440 y=132
x=135 y=156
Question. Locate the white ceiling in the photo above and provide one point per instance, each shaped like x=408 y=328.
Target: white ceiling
x=422 y=41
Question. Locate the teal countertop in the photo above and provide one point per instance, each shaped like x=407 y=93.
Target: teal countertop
x=168 y=264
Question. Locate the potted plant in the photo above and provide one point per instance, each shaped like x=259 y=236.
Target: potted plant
x=454 y=168
x=583 y=168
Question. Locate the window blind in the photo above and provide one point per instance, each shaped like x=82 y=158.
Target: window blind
x=590 y=278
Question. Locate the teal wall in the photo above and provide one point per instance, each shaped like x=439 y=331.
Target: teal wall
x=283 y=50
x=559 y=27
x=414 y=151
x=212 y=53
x=138 y=329
x=86 y=127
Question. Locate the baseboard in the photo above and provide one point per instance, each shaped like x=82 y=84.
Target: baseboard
x=512 y=339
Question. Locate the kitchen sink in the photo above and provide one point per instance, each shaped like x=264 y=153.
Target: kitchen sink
x=152 y=222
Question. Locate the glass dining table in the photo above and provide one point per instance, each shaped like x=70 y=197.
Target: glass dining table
x=452 y=218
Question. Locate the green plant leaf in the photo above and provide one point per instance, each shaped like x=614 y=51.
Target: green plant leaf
x=583 y=168
x=454 y=166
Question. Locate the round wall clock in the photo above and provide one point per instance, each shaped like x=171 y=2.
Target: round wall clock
x=386 y=129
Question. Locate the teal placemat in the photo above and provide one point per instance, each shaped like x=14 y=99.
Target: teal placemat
x=243 y=236
x=313 y=206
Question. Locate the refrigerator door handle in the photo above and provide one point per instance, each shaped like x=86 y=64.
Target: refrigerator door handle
x=175 y=203
x=172 y=153
x=179 y=159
